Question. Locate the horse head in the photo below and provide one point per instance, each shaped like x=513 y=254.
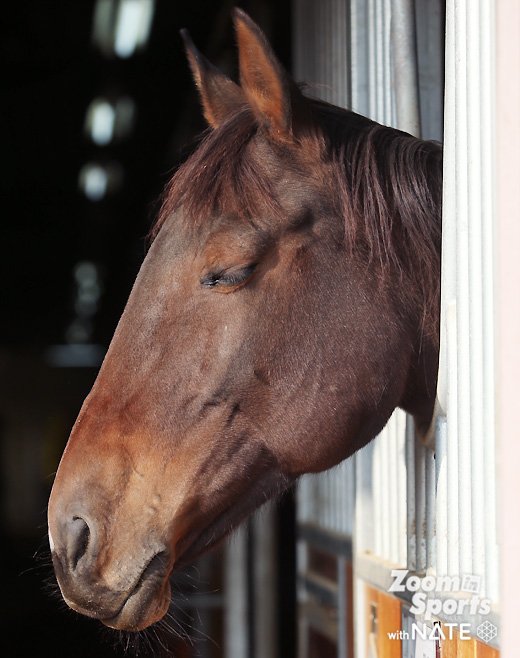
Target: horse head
x=287 y=304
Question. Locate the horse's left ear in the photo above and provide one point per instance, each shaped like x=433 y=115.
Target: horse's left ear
x=263 y=79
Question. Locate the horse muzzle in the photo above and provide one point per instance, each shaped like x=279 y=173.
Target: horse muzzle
x=131 y=598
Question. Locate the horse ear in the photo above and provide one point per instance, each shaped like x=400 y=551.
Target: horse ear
x=219 y=95
x=265 y=83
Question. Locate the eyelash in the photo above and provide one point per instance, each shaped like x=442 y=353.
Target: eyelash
x=228 y=278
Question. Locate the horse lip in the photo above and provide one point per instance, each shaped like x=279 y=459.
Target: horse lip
x=152 y=575
x=133 y=615
x=136 y=602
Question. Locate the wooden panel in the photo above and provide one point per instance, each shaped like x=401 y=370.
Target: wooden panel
x=457 y=648
x=484 y=651
x=383 y=616
x=388 y=621
x=371 y=610
x=449 y=646
x=466 y=648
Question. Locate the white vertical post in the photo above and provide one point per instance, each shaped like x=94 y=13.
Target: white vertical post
x=466 y=374
x=405 y=79
x=507 y=286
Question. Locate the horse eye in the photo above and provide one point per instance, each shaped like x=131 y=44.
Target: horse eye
x=231 y=277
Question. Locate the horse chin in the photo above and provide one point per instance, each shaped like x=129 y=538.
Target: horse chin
x=141 y=609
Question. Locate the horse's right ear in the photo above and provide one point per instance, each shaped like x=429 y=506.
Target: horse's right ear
x=219 y=95
x=266 y=85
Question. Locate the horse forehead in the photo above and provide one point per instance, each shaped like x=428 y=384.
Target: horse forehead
x=234 y=236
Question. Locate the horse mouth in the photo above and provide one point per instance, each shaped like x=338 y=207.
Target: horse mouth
x=141 y=610
x=147 y=602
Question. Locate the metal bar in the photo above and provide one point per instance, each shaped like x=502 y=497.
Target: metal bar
x=359 y=56
x=447 y=544
x=264 y=575
x=342 y=609
x=441 y=503
x=463 y=292
x=405 y=74
x=476 y=273
x=321 y=589
x=487 y=191
x=326 y=540
x=420 y=505
x=411 y=561
x=372 y=59
x=402 y=502
x=387 y=77
x=236 y=632
x=430 y=509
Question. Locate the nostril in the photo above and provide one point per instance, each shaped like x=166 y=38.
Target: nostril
x=78 y=536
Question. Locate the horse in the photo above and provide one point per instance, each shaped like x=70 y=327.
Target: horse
x=288 y=303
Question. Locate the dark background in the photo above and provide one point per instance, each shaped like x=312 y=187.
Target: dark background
x=52 y=70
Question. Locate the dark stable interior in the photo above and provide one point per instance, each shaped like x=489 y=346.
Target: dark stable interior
x=52 y=71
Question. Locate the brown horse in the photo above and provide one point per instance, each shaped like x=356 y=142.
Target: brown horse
x=288 y=303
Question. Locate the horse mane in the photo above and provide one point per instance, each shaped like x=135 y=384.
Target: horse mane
x=385 y=185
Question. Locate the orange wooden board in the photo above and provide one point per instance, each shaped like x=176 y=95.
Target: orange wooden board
x=383 y=616
x=457 y=648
